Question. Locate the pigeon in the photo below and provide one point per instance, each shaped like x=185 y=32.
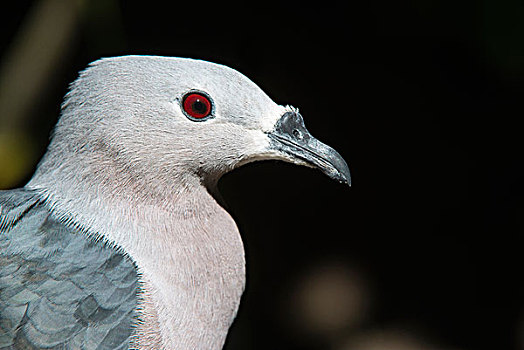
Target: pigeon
x=119 y=240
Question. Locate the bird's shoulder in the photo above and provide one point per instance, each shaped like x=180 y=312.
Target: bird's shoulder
x=59 y=288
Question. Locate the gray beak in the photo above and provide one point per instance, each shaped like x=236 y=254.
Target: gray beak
x=291 y=137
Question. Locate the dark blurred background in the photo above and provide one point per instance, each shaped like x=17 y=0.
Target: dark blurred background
x=422 y=98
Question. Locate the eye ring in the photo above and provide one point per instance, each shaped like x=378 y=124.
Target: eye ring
x=197 y=105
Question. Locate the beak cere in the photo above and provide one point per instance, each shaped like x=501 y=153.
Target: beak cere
x=291 y=137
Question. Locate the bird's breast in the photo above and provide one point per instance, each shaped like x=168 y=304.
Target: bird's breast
x=193 y=275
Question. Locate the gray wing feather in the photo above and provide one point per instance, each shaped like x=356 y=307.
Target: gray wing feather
x=60 y=289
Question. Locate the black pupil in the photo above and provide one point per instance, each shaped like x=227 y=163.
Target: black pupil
x=199 y=107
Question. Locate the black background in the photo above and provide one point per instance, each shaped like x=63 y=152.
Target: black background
x=422 y=98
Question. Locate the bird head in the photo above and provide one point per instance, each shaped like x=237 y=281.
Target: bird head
x=160 y=118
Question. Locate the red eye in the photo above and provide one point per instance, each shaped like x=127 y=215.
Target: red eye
x=197 y=105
